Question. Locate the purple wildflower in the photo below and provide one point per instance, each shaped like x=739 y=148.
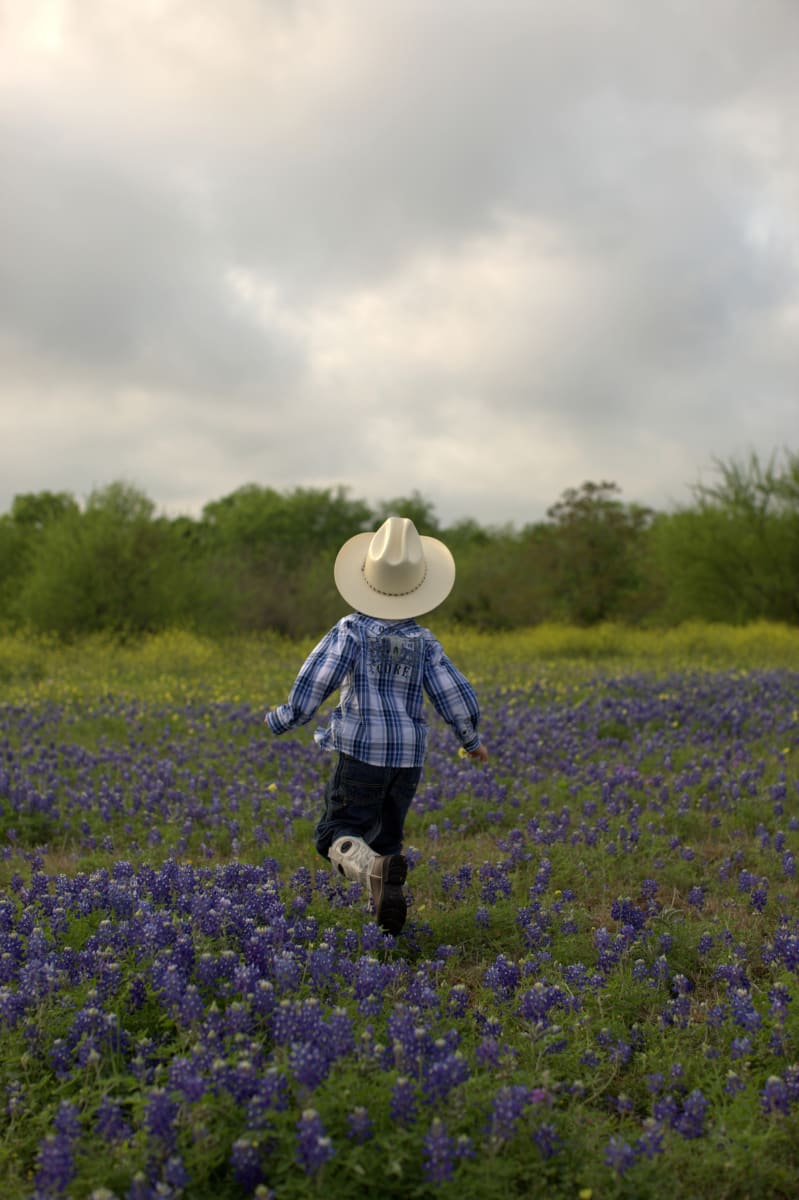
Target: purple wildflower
x=160 y=1115
x=743 y=1011
x=444 y=1075
x=246 y=1160
x=403 y=1105
x=651 y=1141
x=691 y=1121
x=547 y=1139
x=733 y=1084
x=314 y=1147
x=619 y=1155
x=109 y=1121
x=774 y=1097
x=360 y=1127
x=439 y=1153
x=55 y=1165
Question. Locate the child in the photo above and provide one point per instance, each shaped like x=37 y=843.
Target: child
x=383 y=662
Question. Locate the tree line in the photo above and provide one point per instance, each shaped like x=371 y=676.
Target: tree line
x=261 y=559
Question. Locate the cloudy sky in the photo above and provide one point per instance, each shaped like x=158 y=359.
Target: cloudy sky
x=483 y=249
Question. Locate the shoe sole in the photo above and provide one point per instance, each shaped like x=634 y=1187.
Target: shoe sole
x=393 y=908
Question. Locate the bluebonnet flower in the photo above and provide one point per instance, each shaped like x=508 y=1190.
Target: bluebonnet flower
x=442 y=1076
x=691 y=1120
x=406 y=1035
x=791 y=1077
x=67 y=1121
x=55 y=1165
x=272 y=1094
x=15 y=1097
x=140 y=1188
x=371 y=979
x=506 y=1111
x=488 y=1051
x=458 y=1000
x=241 y=1080
x=742 y=1009
x=109 y=1121
x=360 y=1127
x=651 y=1141
x=160 y=1114
x=439 y=1153
x=503 y=977
x=779 y=999
x=322 y=965
x=403 y=1105
x=309 y=1063
x=626 y=912
x=246 y=1159
x=482 y=917
x=176 y=1177
x=546 y=1139
x=775 y=1096
x=733 y=1084
x=619 y=1155
x=314 y=1147
x=340 y=1033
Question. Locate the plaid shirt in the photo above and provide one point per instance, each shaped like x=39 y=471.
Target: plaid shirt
x=383 y=669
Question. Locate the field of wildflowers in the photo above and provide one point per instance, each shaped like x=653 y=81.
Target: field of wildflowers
x=596 y=994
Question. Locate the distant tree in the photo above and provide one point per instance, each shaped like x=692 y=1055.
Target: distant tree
x=20 y=531
x=107 y=568
x=33 y=511
x=420 y=510
x=467 y=533
x=734 y=555
x=591 y=553
x=290 y=526
x=499 y=583
x=266 y=544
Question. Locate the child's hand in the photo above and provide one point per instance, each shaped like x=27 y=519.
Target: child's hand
x=481 y=754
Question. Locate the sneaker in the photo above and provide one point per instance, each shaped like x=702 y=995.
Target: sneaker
x=386 y=880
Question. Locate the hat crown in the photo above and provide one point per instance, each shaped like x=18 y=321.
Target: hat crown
x=395 y=563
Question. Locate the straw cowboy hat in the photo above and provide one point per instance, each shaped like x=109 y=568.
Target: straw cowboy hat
x=394 y=572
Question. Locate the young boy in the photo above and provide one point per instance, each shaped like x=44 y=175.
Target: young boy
x=383 y=662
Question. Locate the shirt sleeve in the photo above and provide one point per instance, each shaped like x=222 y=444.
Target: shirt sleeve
x=321 y=674
x=452 y=696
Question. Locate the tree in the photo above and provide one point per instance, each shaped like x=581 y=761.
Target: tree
x=290 y=526
x=104 y=569
x=734 y=556
x=34 y=511
x=594 y=552
x=420 y=510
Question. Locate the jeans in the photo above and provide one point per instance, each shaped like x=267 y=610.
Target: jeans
x=366 y=801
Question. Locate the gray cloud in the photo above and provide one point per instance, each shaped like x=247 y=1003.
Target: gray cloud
x=486 y=251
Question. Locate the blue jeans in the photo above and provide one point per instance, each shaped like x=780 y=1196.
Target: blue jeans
x=369 y=802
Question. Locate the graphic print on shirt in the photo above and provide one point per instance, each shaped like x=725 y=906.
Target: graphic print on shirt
x=395 y=657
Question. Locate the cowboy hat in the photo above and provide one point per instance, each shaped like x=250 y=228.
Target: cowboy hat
x=394 y=572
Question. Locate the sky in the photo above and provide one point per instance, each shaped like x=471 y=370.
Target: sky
x=485 y=250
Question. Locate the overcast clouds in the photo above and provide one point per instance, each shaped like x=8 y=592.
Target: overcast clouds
x=486 y=250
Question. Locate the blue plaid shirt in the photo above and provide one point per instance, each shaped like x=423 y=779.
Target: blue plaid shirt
x=383 y=670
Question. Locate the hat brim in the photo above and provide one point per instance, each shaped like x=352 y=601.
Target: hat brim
x=352 y=585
